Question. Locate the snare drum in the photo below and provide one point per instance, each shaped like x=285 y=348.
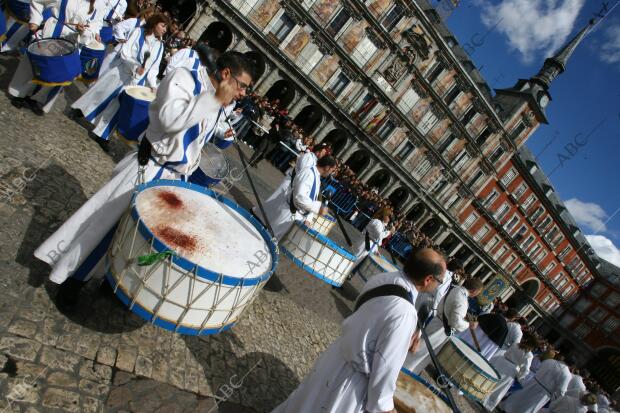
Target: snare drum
x=91 y=57
x=55 y=62
x=317 y=254
x=107 y=35
x=467 y=369
x=187 y=260
x=133 y=115
x=213 y=168
x=375 y=264
x=323 y=224
x=415 y=395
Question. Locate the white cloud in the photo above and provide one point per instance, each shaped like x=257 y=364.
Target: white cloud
x=587 y=214
x=610 y=49
x=532 y=25
x=605 y=248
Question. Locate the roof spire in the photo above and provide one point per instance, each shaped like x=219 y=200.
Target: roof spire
x=555 y=65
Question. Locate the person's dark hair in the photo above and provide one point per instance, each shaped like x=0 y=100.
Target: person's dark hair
x=455 y=264
x=153 y=21
x=511 y=313
x=236 y=62
x=320 y=146
x=207 y=55
x=528 y=342
x=419 y=265
x=326 y=162
x=473 y=284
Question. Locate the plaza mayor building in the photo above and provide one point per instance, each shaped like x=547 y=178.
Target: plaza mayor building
x=387 y=84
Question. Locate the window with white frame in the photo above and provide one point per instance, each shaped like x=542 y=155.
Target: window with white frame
x=309 y=57
x=452 y=95
x=528 y=202
x=490 y=199
x=338 y=22
x=386 y=129
x=481 y=233
x=282 y=27
x=434 y=73
x=308 y=3
x=496 y=155
x=535 y=249
x=491 y=244
x=469 y=221
x=549 y=267
x=510 y=224
x=501 y=212
x=546 y=300
x=427 y=122
x=339 y=84
x=508 y=177
x=520 y=190
x=541 y=256
x=460 y=161
x=448 y=143
x=544 y=223
x=408 y=100
x=510 y=260
x=537 y=213
x=422 y=168
x=562 y=283
x=244 y=6
x=552 y=233
x=565 y=252
x=475 y=179
x=527 y=242
x=405 y=150
x=518 y=268
x=390 y=21
x=363 y=52
x=520 y=233
x=501 y=251
x=555 y=242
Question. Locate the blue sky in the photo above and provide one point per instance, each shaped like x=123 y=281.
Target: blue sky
x=510 y=39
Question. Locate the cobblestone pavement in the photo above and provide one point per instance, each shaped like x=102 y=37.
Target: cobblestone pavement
x=104 y=358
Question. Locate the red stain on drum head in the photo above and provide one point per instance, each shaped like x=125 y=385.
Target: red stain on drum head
x=170 y=199
x=175 y=238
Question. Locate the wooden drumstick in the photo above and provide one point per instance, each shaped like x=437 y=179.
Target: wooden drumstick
x=473 y=335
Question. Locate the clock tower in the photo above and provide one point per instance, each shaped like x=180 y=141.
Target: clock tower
x=534 y=92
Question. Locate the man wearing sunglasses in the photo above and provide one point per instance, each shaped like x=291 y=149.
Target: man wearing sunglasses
x=358 y=372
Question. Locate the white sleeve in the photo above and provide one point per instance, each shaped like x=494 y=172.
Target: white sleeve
x=455 y=310
x=299 y=145
x=179 y=109
x=392 y=346
x=121 y=29
x=524 y=369
x=302 y=186
x=36 y=10
x=151 y=77
x=564 y=380
x=120 y=11
x=129 y=51
x=176 y=60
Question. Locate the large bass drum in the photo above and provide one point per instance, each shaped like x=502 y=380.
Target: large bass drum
x=187 y=259
x=415 y=395
x=375 y=264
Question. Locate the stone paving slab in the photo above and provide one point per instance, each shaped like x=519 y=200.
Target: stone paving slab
x=103 y=357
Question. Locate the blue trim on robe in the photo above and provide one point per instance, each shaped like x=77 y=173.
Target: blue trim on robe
x=60 y=23
x=94 y=257
x=12 y=30
x=111 y=14
x=97 y=111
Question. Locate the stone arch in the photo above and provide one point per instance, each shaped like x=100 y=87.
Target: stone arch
x=450 y=242
x=519 y=299
x=431 y=227
x=416 y=212
x=463 y=253
x=398 y=197
x=358 y=161
x=337 y=138
x=218 y=35
x=258 y=63
x=309 y=118
x=182 y=10
x=379 y=179
x=472 y=265
x=283 y=90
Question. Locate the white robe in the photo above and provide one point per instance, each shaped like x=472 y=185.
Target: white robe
x=114 y=11
x=567 y=404
x=358 y=372
x=100 y=104
x=377 y=233
x=16 y=32
x=306 y=188
x=121 y=32
x=177 y=111
x=513 y=364
x=514 y=334
x=77 y=11
x=187 y=58
x=576 y=387
x=549 y=383
x=454 y=308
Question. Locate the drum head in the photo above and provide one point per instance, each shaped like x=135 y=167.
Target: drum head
x=51 y=47
x=475 y=357
x=203 y=230
x=213 y=162
x=141 y=93
x=414 y=395
x=383 y=263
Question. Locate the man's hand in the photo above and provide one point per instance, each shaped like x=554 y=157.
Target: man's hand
x=323 y=211
x=80 y=27
x=33 y=27
x=98 y=38
x=414 y=345
x=229 y=133
x=238 y=111
x=473 y=325
x=140 y=70
x=308 y=224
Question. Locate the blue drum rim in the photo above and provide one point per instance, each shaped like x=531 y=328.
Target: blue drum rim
x=159 y=321
x=60 y=39
x=379 y=265
x=432 y=388
x=329 y=217
x=193 y=267
x=326 y=241
x=496 y=379
x=124 y=92
x=309 y=270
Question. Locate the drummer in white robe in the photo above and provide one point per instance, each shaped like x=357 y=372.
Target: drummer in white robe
x=570 y=404
x=121 y=32
x=358 y=372
x=299 y=200
x=513 y=364
x=493 y=333
x=17 y=31
x=452 y=317
x=76 y=20
x=114 y=12
x=182 y=118
x=136 y=64
x=377 y=231
x=549 y=383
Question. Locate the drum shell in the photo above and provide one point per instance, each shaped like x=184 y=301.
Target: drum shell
x=161 y=292
x=317 y=254
x=222 y=143
x=406 y=374
x=55 y=70
x=464 y=373
x=19 y=10
x=133 y=117
x=202 y=179
x=88 y=55
x=107 y=35
x=370 y=267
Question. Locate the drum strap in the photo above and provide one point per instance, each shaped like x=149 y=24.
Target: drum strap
x=386 y=290
x=112 y=11
x=62 y=17
x=446 y=326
